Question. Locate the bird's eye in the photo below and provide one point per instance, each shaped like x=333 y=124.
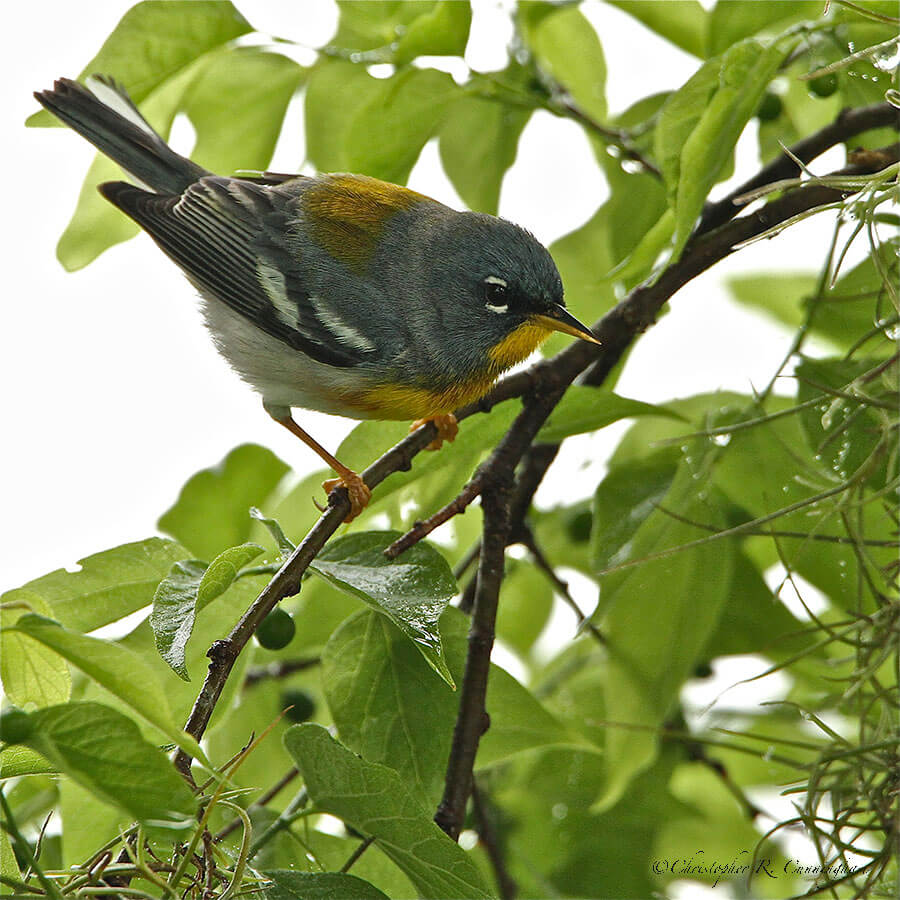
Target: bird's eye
x=495 y=294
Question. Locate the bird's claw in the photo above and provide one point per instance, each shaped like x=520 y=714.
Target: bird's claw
x=447 y=429
x=357 y=490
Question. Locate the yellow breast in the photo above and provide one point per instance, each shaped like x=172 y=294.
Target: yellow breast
x=395 y=401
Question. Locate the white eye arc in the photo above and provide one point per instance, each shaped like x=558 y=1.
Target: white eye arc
x=499 y=286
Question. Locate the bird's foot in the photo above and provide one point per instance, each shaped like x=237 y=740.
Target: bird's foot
x=357 y=490
x=447 y=429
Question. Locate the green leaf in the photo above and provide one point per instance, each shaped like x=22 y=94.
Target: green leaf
x=683 y=22
x=404 y=29
x=107 y=585
x=478 y=143
x=386 y=135
x=711 y=818
x=96 y=224
x=412 y=591
x=21 y=760
x=190 y=586
x=623 y=501
x=788 y=473
x=9 y=868
x=103 y=750
x=211 y=513
x=443 y=31
x=237 y=105
x=285 y=544
x=156 y=39
x=31 y=674
x=327 y=123
x=563 y=533
x=644 y=256
x=782 y=296
x=588 y=409
x=526 y=602
x=584 y=259
x=842 y=432
x=568 y=49
x=212 y=624
x=88 y=821
x=746 y=70
x=374 y=800
x=730 y=22
x=682 y=595
x=679 y=116
x=329 y=852
x=572 y=850
x=843 y=313
x=387 y=708
x=754 y=620
x=290 y=885
x=123 y=673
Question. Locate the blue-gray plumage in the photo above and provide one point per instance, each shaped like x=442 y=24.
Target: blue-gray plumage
x=340 y=293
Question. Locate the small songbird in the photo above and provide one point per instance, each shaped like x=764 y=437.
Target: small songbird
x=339 y=293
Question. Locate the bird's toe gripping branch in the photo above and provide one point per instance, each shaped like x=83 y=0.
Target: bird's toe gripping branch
x=447 y=428
x=357 y=490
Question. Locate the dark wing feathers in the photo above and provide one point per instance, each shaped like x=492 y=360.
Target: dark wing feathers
x=216 y=231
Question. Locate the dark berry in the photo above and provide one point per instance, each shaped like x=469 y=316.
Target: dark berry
x=276 y=630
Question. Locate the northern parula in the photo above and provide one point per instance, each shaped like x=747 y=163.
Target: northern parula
x=339 y=293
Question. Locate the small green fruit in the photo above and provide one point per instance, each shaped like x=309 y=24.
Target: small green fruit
x=15 y=726
x=770 y=108
x=303 y=706
x=824 y=85
x=276 y=630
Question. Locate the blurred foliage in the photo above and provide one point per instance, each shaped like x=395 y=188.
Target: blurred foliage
x=725 y=525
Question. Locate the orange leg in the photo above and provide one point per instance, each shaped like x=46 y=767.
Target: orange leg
x=447 y=428
x=357 y=489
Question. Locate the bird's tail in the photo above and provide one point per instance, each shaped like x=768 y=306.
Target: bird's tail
x=103 y=113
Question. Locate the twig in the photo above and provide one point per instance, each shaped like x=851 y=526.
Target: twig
x=849 y=123
x=293 y=811
x=615 y=137
x=357 y=853
x=488 y=837
x=420 y=530
x=768 y=532
x=697 y=752
x=279 y=669
x=10 y=826
x=525 y=537
x=264 y=800
x=473 y=720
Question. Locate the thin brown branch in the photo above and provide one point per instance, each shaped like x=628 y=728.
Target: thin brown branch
x=277 y=670
x=357 y=853
x=420 y=530
x=542 y=386
x=848 y=124
x=489 y=839
x=525 y=537
x=473 y=719
x=614 y=137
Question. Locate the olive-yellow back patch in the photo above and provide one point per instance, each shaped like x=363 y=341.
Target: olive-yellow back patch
x=346 y=215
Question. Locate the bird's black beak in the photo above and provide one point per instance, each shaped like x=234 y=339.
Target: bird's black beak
x=558 y=318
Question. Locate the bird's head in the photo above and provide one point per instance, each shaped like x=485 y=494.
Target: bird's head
x=499 y=287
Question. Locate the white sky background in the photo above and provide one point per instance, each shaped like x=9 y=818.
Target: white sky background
x=112 y=393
